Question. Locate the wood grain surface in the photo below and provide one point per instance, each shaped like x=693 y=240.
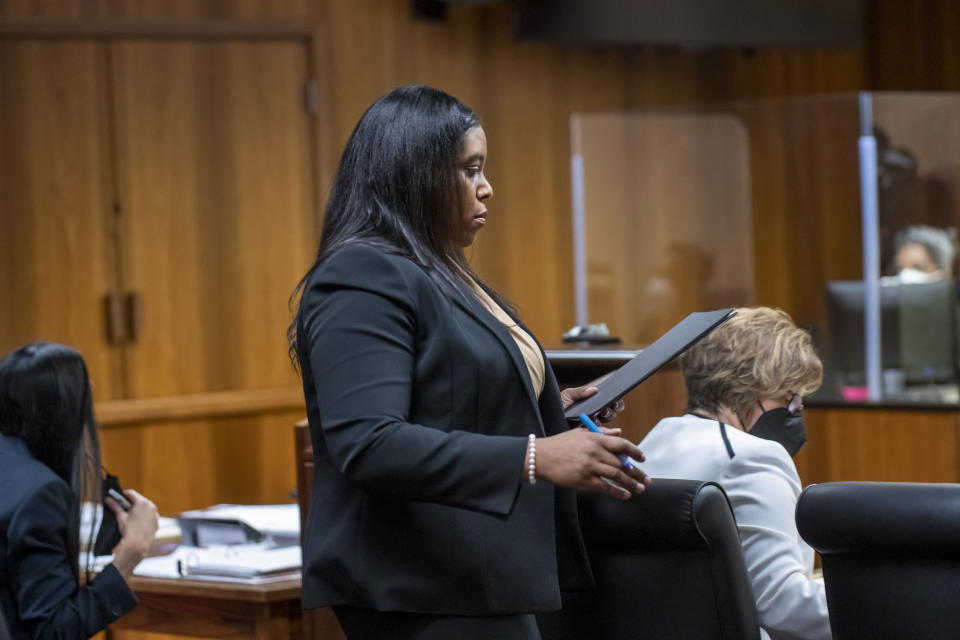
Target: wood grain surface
x=220 y=173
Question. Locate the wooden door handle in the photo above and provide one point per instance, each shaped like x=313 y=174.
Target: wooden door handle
x=115 y=325
x=124 y=317
x=133 y=308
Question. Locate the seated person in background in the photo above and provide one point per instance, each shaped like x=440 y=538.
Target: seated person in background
x=745 y=383
x=49 y=462
x=923 y=254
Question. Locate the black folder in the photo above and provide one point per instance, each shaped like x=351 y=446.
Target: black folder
x=667 y=347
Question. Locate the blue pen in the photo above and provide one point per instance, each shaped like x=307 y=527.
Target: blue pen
x=588 y=423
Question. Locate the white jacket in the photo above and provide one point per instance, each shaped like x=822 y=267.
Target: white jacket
x=763 y=486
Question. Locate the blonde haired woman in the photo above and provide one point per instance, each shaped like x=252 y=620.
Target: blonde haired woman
x=745 y=385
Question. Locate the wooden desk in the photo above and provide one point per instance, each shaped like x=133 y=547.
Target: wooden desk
x=205 y=609
x=880 y=442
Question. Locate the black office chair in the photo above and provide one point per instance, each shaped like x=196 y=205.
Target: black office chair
x=668 y=565
x=891 y=557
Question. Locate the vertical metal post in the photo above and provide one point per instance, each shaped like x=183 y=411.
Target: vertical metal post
x=871 y=247
x=579 y=224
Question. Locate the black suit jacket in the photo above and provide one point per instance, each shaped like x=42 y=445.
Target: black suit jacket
x=39 y=592
x=419 y=411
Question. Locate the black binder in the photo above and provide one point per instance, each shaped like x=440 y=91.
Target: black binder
x=667 y=347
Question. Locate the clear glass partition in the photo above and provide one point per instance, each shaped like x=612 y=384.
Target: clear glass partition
x=918 y=181
x=666 y=215
x=674 y=209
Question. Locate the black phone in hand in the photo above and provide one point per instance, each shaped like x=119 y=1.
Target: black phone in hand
x=109 y=535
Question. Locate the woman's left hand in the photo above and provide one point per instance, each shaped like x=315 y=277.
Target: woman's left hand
x=573 y=395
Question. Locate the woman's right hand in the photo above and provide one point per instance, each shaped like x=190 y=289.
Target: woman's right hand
x=582 y=460
x=137 y=528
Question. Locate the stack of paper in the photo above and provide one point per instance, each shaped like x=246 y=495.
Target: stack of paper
x=247 y=562
x=230 y=523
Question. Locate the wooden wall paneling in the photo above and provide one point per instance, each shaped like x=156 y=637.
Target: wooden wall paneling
x=521 y=87
x=371 y=47
x=238 y=402
x=527 y=249
x=913 y=46
x=372 y=42
x=805 y=182
x=374 y=46
x=218 y=206
x=517 y=252
x=215 y=160
x=813 y=460
x=784 y=235
x=886 y=445
x=524 y=92
x=657 y=76
x=56 y=248
x=102 y=11
x=835 y=203
x=785 y=72
x=191 y=464
x=455 y=53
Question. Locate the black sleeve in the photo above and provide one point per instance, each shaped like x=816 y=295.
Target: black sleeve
x=50 y=603
x=361 y=346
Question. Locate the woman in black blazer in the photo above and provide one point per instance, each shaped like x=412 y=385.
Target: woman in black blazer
x=442 y=502
x=49 y=461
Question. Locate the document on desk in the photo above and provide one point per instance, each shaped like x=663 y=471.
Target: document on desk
x=270 y=519
x=234 y=523
x=668 y=346
x=231 y=563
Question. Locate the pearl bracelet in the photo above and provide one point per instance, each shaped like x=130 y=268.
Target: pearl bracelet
x=532 y=459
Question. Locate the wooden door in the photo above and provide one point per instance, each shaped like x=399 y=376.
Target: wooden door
x=218 y=225
x=216 y=189
x=56 y=200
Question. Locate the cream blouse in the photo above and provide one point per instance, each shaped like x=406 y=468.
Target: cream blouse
x=529 y=349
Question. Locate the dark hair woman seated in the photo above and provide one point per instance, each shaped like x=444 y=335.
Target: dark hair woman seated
x=49 y=463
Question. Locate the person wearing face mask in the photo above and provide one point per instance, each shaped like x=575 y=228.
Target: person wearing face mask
x=923 y=254
x=745 y=384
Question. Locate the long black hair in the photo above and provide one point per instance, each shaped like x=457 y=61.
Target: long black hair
x=45 y=401
x=396 y=187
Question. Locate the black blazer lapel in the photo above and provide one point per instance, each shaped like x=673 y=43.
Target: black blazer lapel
x=484 y=317
x=551 y=403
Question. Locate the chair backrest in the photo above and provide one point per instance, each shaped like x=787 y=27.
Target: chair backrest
x=317 y=623
x=668 y=564
x=890 y=553
x=303 y=450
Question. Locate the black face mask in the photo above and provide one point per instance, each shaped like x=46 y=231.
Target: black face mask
x=783 y=426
